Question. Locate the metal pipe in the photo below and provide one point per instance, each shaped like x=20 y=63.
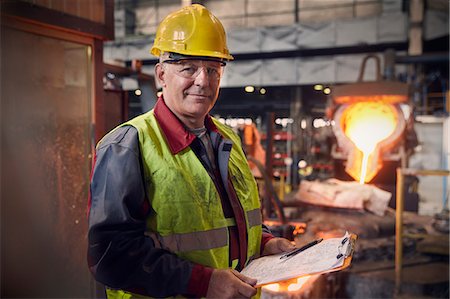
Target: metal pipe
x=435 y=57
x=438 y=172
x=347 y=50
x=398 y=231
x=401 y=172
x=269 y=160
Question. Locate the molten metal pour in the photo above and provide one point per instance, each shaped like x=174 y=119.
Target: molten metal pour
x=368 y=122
x=368 y=130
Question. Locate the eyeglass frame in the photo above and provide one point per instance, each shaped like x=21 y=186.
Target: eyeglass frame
x=197 y=72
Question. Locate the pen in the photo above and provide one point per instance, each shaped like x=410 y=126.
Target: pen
x=303 y=248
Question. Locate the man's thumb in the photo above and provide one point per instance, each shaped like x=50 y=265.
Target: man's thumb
x=246 y=279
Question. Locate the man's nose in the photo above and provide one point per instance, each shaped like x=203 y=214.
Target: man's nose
x=202 y=77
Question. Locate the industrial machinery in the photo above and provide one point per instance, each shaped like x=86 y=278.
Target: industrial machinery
x=374 y=135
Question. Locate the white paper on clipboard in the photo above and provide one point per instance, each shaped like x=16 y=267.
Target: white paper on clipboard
x=323 y=257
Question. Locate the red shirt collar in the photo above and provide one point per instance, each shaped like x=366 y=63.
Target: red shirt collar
x=177 y=136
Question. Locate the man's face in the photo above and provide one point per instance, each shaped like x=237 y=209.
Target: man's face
x=190 y=87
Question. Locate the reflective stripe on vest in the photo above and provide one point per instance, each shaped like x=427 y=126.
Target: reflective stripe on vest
x=204 y=240
x=254 y=217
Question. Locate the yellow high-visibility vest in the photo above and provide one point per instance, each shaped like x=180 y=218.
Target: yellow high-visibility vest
x=187 y=216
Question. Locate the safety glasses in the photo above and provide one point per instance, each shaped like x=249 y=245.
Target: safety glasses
x=190 y=69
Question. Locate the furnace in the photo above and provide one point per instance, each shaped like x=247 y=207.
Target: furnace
x=370 y=123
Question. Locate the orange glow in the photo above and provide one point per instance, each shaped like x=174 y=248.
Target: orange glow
x=385 y=98
x=366 y=124
x=292 y=285
x=299 y=229
x=297 y=286
x=274 y=287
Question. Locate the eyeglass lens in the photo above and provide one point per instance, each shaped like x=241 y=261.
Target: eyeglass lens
x=191 y=69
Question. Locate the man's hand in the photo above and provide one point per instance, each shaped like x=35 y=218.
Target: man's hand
x=230 y=283
x=278 y=245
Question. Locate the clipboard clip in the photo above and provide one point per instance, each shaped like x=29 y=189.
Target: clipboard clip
x=350 y=247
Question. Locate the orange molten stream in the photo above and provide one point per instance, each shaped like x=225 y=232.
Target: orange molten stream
x=366 y=124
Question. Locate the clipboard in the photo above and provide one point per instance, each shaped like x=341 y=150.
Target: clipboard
x=330 y=255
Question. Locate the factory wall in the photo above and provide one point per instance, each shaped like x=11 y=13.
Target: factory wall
x=432 y=153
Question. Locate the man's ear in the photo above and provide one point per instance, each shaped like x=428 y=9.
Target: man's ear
x=160 y=74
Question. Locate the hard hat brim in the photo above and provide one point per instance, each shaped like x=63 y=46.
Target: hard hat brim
x=176 y=56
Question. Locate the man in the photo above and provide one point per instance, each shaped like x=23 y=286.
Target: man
x=174 y=209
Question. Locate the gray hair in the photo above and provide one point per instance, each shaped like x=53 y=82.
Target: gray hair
x=164 y=56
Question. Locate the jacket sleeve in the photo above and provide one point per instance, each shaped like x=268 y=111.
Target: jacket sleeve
x=266 y=237
x=120 y=255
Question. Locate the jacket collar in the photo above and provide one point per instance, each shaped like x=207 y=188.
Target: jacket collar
x=177 y=136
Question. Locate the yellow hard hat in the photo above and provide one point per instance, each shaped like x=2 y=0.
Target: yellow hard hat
x=192 y=31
